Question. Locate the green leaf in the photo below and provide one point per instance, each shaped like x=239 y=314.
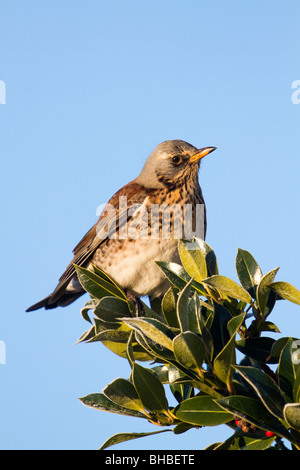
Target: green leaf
x=96 y=285
x=254 y=412
x=114 y=335
x=99 y=401
x=178 y=276
x=218 y=329
x=265 y=387
x=123 y=393
x=116 y=341
x=258 y=444
x=182 y=427
x=192 y=259
x=174 y=374
x=248 y=271
x=90 y=304
x=175 y=273
x=162 y=373
x=296 y=387
x=287 y=368
x=181 y=391
x=202 y=411
x=189 y=350
x=269 y=326
x=127 y=436
x=147 y=311
x=235 y=323
x=169 y=307
x=182 y=307
x=226 y=358
x=129 y=348
x=226 y=445
x=149 y=389
x=110 y=309
x=257 y=348
x=286 y=291
x=276 y=349
x=155 y=350
x=153 y=329
x=105 y=276
x=196 y=321
x=228 y=287
x=292 y=415
x=209 y=254
x=87 y=335
x=241 y=441
x=266 y=299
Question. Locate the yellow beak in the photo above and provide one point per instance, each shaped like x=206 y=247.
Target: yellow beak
x=201 y=153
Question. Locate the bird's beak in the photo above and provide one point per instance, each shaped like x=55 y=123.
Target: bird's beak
x=201 y=153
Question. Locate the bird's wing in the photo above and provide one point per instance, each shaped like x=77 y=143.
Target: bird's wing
x=113 y=217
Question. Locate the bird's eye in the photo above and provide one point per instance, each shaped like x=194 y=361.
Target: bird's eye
x=176 y=160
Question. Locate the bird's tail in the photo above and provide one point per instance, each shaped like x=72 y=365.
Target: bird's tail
x=49 y=302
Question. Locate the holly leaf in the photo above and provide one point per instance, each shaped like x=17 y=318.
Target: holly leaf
x=202 y=411
x=192 y=259
x=228 y=287
x=248 y=271
x=286 y=291
x=149 y=389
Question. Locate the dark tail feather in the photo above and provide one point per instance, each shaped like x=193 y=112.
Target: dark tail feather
x=40 y=304
x=65 y=299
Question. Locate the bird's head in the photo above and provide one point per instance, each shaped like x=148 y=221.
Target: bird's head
x=170 y=163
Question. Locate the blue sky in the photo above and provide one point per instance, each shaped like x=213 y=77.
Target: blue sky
x=91 y=88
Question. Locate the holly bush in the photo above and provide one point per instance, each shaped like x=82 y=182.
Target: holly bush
x=191 y=339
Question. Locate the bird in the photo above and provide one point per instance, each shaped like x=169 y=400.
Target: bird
x=124 y=244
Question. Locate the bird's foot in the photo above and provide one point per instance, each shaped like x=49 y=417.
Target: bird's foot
x=139 y=309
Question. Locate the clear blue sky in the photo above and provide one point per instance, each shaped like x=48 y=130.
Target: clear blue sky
x=91 y=88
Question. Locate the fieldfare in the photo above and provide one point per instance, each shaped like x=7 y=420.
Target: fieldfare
x=141 y=224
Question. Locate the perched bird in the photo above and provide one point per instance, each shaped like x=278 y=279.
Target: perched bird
x=141 y=224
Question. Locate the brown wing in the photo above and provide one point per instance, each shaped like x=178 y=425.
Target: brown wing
x=85 y=249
